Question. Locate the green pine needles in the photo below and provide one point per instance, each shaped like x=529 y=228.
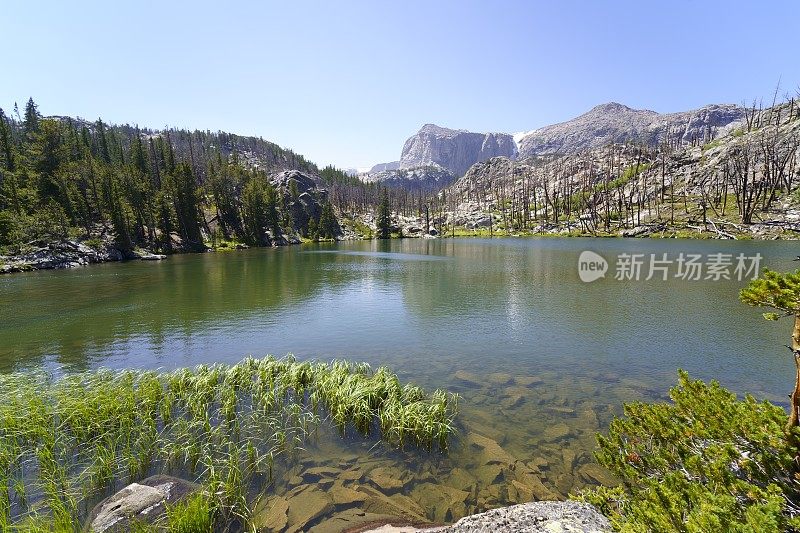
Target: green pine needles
x=65 y=443
x=705 y=462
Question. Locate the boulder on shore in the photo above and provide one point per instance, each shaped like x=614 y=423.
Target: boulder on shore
x=534 y=517
x=144 y=501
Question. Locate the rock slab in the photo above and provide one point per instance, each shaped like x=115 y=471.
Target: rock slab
x=535 y=517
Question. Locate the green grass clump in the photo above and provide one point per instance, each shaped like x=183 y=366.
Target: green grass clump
x=707 y=461
x=65 y=443
x=193 y=515
x=711 y=144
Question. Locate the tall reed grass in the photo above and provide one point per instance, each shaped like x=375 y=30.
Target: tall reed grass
x=67 y=442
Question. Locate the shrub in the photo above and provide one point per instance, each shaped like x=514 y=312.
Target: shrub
x=707 y=461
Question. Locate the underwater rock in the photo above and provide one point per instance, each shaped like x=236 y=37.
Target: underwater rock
x=520 y=492
x=488 y=451
x=594 y=473
x=468 y=378
x=442 y=503
x=569 y=411
x=513 y=401
x=272 y=515
x=556 y=432
x=532 y=481
x=564 y=483
x=315 y=474
x=588 y=418
x=306 y=506
x=396 y=505
x=569 y=457
x=460 y=479
x=489 y=473
x=528 y=381
x=350 y=475
x=500 y=378
x=345 y=496
x=387 y=479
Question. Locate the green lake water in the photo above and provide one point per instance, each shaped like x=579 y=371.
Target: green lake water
x=541 y=360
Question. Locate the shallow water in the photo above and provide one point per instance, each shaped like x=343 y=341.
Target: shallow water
x=541 y=360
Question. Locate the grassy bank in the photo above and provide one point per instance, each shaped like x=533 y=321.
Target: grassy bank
x=65 y=443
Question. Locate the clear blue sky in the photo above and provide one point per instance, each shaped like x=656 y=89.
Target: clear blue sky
x=348 y=82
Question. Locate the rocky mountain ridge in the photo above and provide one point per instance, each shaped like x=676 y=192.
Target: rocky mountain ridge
x=454 y=150
x=617 y=123
x=643 y=189
x=457 y=150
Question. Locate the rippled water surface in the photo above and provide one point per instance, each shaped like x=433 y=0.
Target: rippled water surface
x=541 y=360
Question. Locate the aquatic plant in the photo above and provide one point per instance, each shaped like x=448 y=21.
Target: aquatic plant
x=65 y=443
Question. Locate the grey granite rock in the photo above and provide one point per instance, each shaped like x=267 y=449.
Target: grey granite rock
x=535 y=517
x=454 y=150
x=617 y=123
x=144 y=501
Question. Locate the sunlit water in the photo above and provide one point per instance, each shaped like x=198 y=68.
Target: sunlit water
x=541 y=360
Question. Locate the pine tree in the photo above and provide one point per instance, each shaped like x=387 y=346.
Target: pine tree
x=383 y=218
x=254 y=209
x=328 y=226
x=9 y=192
x=187 y=206
x=101 y=142
x=781 y=293
x=31 y=123
x=273 y=220
x=47 y=154
x=5 y=143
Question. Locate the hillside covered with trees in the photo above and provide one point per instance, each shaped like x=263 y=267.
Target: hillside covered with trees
x=169 y=190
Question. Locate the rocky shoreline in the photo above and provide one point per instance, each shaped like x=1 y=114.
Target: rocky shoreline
x=68 y=254
x=75 y=253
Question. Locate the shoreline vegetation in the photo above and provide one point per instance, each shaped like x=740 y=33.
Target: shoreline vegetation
x=68 y=442
x=80 y=252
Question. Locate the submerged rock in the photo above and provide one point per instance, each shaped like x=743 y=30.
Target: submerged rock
x=469 y=378
x=557 y=432
x=500 y=378
x=442 y=503
x=387 y=479
x=594 y=473
x=273 y=515
x=306 y=507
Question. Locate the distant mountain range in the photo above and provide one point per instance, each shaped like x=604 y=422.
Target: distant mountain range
x=435 y=150
x=617 y=123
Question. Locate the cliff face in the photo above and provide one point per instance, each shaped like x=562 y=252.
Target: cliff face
x=615 y=123
x=454 y=150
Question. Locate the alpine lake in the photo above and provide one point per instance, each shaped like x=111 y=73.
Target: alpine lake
x=541 y=360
